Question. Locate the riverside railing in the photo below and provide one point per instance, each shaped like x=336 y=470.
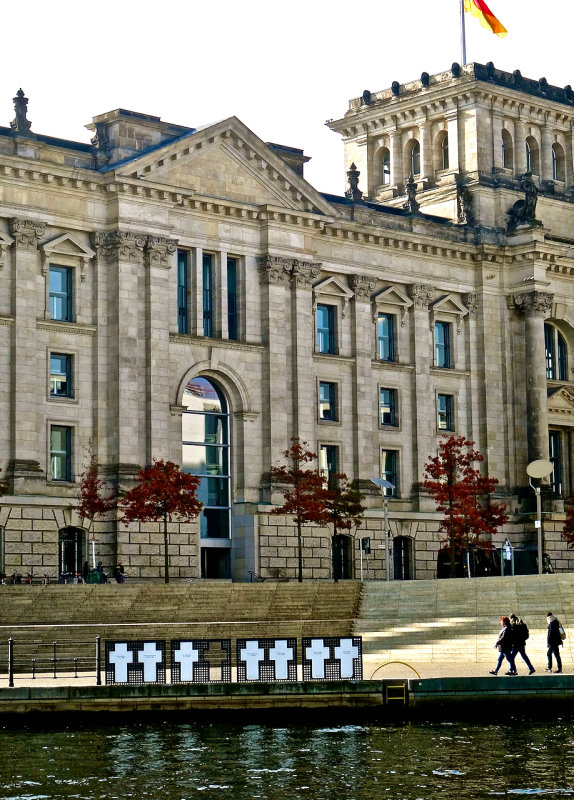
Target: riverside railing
x=57 y=659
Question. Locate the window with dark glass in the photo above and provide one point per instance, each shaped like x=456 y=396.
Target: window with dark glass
x=415 y=158
x=61 y=453
x=386 y=337
x=557 y=162
x=556 y=354
x=507 y=150
x=389 y=464
x=388 y=406
x=326 y=340
x=232 y=317
x=386 y=166
x=206 y=453
x=207 y=272
x=444 y=152
x=328 y=460
x=182 y=295
x=61 y=375
x=442 y=344
x=532 y=155
x=61 y=300
x=445 y=421
x=327 y=401
x=555 y=458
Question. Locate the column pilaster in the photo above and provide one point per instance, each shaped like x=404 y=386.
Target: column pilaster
x=365 y=456
x=303 y=275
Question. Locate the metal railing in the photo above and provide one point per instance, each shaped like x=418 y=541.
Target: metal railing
x=35 y=658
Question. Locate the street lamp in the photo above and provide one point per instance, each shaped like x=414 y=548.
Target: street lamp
x=539 y=469
x=383 y=484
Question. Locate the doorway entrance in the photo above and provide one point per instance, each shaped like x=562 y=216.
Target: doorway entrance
x=71 y=552
x=342 y=557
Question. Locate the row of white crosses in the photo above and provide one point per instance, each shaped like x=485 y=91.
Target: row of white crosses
x=252 y=654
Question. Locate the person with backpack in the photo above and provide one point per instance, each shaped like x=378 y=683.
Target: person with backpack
x=554 y=641
x=520 y=633
x=504 y=647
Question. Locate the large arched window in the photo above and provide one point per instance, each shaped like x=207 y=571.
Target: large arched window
x=444 y=151
x=532 y=156
x=414 y=157
x=206 y=452
x=556 y=354
x=385 y=166
x=558 y=172
x=507 y=150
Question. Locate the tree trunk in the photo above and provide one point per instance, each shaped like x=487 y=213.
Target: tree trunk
x=165 y=550
x=299 y=553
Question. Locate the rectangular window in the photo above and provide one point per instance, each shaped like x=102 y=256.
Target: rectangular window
x=232 y=318
x=182 y=295
x=207 y=294
x=442 y=344
x=61 y=453
x=61 y=305
x=328 y=460
x=327 y=401
x=445 y=421
x=386 y=337
x=389 y=463
x=61 y=375
x=555 y=458
x=388 y=406
x=326 y=339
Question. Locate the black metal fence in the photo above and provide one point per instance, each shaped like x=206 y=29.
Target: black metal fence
x=57 y=659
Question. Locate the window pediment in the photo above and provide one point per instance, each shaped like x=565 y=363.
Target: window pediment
x=393 y=300
x=448 y=305
x=330 y=289
x=68 y=250
x=561 y=404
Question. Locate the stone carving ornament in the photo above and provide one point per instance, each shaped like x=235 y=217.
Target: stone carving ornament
x=158 y=251
x=274 y=270
x=523 y=212
x=303 y=273
x=421 y=294
x=534 y=304
x=118 y=245
x=363 y=286
x=27 y=232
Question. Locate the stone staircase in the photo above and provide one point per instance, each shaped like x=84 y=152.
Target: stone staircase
x=36 y=616
x=457 y=621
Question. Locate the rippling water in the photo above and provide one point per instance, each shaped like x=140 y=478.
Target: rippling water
x=172 y=760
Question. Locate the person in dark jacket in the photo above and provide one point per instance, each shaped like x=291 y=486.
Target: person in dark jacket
x=520 y=633
x=553 y=642
x=504 y=646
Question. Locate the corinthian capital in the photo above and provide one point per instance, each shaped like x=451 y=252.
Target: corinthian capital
x=112 y=245
x=274 y=270
x=421 y=294
x=534 y=304
x=363 y=286
x=27 y=232
x=471 y=300
x=158 y=251
x=304 y=272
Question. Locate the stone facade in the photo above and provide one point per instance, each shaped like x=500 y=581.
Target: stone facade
x=163 y=266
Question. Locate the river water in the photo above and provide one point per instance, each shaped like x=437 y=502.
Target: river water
x=175 y=760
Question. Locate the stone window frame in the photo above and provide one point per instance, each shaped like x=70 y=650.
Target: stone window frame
x=331 y=292
x=72 y=427
x=337 y=402
x=397 y=450
x=448 y=309
x=397 y=424
x=452 y=412
x=69 y=252
x=557 y=335
x=392 y=300
x=73 y=353
x=325 y=442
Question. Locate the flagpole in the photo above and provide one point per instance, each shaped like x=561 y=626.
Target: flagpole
x=462 y=35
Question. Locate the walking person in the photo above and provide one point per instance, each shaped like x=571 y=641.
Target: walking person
x=520 y=634
x=553 y=642
x=504 y=647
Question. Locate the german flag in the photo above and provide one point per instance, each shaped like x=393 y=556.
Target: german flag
x=484 y=15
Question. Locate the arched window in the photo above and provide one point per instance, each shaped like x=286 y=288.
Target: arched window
x=206 y=452
x=385 y=166
x=507 y=152
x=532 y=156
x=444 y=152
x=556 y=354
x=557 y=162
x=415 y=157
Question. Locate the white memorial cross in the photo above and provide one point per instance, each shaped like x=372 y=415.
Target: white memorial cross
x=281 y=655
x=252 y=654
x=317 y=654
x=346 y=652
x=186 y=655
x=120 y=657
x=150 y=657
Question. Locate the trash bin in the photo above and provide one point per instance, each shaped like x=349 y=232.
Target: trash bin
x=93 y=576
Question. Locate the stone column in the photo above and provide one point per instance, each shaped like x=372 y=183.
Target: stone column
x=497 y=161
x=423 y=411
x=396 y=158
x=547 y=139
x=453 y=140
x=159 y=259
x=122 y=362
x=274 y=277
x=28 y=444
x=365 y=456
x=519 y=147
x=303 y=322
x=427 y=172
x=535 y=306
x=471 y=301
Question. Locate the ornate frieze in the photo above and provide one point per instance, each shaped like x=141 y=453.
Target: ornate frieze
x=27 y=232
x=274 y=270
x=421 y=294
x=303 y=273
x=123 y=245
x=159 y=250
x=534 y=304
x=363 y=286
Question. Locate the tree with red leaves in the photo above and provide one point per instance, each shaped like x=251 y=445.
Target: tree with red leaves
x=568 y=529
x=93 y=495
x=302 y=490
x=343 y=509
x=163 y=491
x=458 y=489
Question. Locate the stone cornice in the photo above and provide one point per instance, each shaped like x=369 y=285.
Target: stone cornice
x=66 y=327
x=221 y=344
x=392 y=366
x=6 y=320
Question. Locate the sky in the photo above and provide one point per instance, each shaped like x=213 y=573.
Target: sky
x=282 y=68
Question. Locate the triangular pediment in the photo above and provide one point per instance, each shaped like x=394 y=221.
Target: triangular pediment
x=334 y=287
x=5 y=240
x=229 y=162
x=561 y=403
x=448 y=304
x=392 y=296
x=67 y=245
